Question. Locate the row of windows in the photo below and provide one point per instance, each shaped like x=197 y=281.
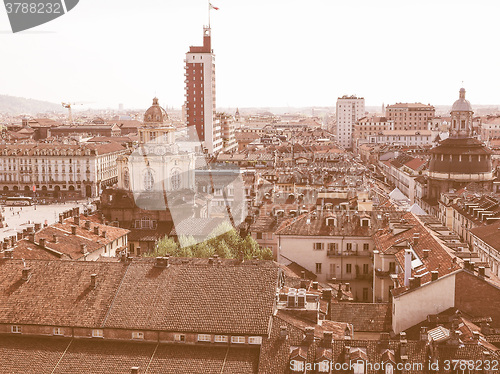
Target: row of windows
x=335 y=246
x=348 y=268
x=99 y=333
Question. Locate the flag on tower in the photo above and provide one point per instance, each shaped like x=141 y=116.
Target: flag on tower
x=213 y=7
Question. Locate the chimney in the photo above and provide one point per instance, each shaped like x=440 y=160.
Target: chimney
x=481 y=271
x=485 y=328
x=54 y=238
x=476 y=335
x=384 y=340
x=416 y=237
x=467 y=263
x=37 y=226
x=30 y=229
x=210 y=260
x=283 y=333
x=26 y=274
x=83 y=248
x=41 y=242
x=326 y=294
x=87 y=225
x=423 y=334
x=93 y=280
x=328 y=338
x=134 y=370
x=76 y=220
x=315 y=285
x=309 y=334
x=13 y=239
x=96 y=230
x=73 y=229
x=104 y=234
x=407 y=270
x=426 y=253
x=5 y=245
x=434 y=275
x=61 y=219
x=31 y=238
x=8 y=253
x=19 y=235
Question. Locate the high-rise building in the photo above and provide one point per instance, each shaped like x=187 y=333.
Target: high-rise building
x=349 y=110
x=200 y=95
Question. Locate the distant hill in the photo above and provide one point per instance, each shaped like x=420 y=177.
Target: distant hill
x=20 y=105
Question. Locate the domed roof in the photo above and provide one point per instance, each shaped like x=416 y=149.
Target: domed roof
x=155 y=113
x=461 y=105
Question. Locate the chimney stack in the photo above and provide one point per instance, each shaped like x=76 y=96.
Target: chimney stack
x=93 y=280
x=42 y=242
x=96 y=230
x=8 y=253
x=424 y=336
x=73 y=229
x=104 y=234
x=61 y=219
x=481 y=271
x=54 y=238
x=76 y=220
x=83 y=248
x=309 y=334
x=434 y=275
x=87 y=225
x=315 y=285
x=37 y=226
x=26 y=274
x=426 y=253
x=407 y=270
x=416 y=237
x=328 y=338
x=283 y=333
x=31 y=238
x=327 y=294
x=134 y=370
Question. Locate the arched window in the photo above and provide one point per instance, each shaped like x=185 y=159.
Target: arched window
x=148 y=180
x=175 y=179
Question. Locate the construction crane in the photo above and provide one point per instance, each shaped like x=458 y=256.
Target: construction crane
x=70 y=114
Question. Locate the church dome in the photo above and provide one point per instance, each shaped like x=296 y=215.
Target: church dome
x=464 y=156
x=155 y=113
x=461 y=105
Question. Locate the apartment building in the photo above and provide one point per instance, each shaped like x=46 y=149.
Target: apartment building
x=349 y=110
x=58 y=170
x=410 y=116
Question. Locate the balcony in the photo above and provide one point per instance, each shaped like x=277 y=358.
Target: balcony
x=382 y=274
x=349 y=253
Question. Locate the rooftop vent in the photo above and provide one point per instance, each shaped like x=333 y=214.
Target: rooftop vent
x=73 y=229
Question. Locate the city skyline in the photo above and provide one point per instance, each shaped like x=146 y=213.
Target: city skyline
x=276 y=55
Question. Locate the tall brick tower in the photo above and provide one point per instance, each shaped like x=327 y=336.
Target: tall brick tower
x=200 y=95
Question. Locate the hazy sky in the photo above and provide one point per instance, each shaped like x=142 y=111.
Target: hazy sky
x=268 y=52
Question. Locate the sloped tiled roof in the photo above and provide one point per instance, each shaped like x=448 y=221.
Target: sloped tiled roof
x=363 y=316
x=233 y=298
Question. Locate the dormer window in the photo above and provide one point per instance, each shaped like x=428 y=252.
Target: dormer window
x=331 y=221
x=97 y=333
x=16 y=329
x=365 y=222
